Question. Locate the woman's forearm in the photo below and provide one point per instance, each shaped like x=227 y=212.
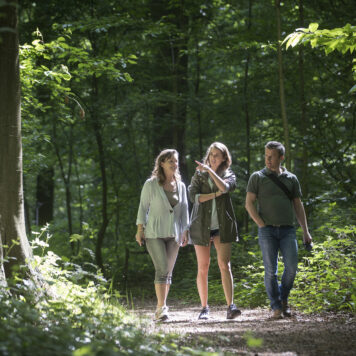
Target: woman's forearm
x=209 y=196
x=220 y=183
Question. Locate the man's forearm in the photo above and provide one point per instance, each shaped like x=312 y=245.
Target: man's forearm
x=251 y=209
x=300 y=215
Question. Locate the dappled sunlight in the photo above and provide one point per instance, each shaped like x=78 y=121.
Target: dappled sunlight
x=299 y=335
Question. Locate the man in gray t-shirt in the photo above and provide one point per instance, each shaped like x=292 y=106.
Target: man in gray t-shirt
x=275 y=220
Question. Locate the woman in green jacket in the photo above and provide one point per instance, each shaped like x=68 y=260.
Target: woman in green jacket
x=213 y=220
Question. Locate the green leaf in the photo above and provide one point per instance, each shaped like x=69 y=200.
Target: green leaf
x=76 y=237
x=313 y=27
x=128 y=77
x=353 y=89
x=297 y=39
x=332 y=44
x=314 y=42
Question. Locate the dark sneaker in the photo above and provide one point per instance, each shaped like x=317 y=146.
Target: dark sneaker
x=232 y=312
x=276 y=314
x=204 y=313
x=286 y=309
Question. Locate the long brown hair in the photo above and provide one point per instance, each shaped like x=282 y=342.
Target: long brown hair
x=226 y=156
x=158 y=170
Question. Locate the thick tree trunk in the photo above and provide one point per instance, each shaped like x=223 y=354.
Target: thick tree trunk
x=12 y=217
x=281 y=87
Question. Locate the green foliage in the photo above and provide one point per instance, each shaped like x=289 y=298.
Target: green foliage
x=250 y=289
x=338 y=39
x=124 y=63
x=44 y=85
x=252 y=341
x=327 y=278
x=80 y=318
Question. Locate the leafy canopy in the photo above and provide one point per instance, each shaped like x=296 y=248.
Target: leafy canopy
x=338 y=39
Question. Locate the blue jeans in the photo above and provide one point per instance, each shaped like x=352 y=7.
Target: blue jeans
x=272 y=239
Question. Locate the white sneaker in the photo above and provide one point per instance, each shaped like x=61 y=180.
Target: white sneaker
x=161 y=314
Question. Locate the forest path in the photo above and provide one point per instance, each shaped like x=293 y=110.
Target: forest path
x=302 y=334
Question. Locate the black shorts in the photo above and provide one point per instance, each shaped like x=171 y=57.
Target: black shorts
x=214 y=233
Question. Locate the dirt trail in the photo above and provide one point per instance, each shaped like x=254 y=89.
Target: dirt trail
x=327 y=334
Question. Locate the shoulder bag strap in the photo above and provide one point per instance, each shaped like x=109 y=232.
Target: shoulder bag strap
x=280 y=184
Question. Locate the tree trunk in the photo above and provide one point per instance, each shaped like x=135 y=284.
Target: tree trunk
x=96 y=126
x=80 y=197
x=246 y=109
x=27 y=209
x=44 y=196
x=197 y=101
x=12 y=217
x=303 y=118
x=172 y=64
x=66 y=177
x=281 y=87
x=179 y=107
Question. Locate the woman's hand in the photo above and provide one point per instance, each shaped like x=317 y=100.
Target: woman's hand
x=220 y=183
x=202 y=167
x=140 y=236
x=184 y=238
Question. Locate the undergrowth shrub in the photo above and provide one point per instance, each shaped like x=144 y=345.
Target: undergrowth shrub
x=80 y=317
x=326 y=280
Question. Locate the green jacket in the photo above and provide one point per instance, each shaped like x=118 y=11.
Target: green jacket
x=201 y=213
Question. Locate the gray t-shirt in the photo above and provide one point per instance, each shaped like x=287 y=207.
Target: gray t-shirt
x=274 y=207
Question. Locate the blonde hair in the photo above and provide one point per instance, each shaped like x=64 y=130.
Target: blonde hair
x=158 y=171
x=226 y=156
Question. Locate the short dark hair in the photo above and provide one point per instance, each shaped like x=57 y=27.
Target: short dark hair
x=275 y=145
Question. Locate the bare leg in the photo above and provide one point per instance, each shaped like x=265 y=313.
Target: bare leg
x=203 y=258
x=161 y=294
x=224 y=256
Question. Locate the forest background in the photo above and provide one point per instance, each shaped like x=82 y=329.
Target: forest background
x=108 y=84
